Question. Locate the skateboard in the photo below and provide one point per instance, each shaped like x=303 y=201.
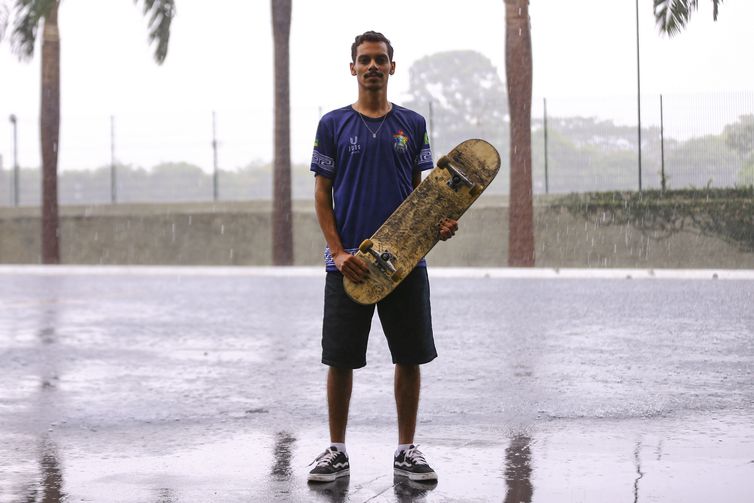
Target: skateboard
x=413 y=228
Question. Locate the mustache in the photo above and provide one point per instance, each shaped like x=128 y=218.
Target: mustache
x=373 y=74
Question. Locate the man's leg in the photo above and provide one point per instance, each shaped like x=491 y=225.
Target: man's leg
x=407 y=323
x=407 y=388
x=339 y=385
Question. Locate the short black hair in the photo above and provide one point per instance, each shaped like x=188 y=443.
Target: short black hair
x=371 y=36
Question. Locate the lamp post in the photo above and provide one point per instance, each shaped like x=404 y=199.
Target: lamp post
x=14 y=121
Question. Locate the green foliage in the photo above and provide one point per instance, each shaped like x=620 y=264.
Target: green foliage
x=746 y=175
x=727 y=214
x=739 y=136
x=164 y=183
x=467 y=95
x=171 y=169
x=672 y=16
x=160 y=14
x=28 y=16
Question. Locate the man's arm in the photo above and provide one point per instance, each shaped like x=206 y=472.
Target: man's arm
x=448 y=226
x=351 y=267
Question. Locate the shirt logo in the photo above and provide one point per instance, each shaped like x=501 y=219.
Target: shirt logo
x=401 y=142
x=355 y=146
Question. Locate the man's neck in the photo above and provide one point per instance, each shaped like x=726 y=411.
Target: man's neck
x=372 y=104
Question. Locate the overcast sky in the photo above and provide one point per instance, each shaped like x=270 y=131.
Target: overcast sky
x=220 y=58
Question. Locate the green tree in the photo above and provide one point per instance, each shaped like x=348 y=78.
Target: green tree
x=518 y=71
x=672 y=16
x=469 y=99
x=28 y=16
x=739 y=137
x=282 y=216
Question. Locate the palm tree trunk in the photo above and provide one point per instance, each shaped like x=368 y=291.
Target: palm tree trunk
x=282 y=218
x=50 y=129
x=518 y=69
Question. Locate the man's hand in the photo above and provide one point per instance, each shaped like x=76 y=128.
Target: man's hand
x=352 y=267
x=448 y=228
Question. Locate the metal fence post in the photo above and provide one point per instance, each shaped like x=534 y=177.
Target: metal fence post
x=662 y=147
x=16 y=184
x=215 y=191
x=547 y=177
x=113 y=185
x=638 y=87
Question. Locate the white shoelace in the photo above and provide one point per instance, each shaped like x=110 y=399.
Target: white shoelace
x=416 y=456
x=325 y=458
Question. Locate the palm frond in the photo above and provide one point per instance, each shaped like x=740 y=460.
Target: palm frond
x=715 y=8
x=160 y=14
x=4 y=18
x=672 y=16
x=28 y=15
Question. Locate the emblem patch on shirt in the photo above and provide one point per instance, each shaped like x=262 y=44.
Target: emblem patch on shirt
x=401 y=142
x=355 y=146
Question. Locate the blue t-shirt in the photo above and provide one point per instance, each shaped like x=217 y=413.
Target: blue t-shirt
x=371 y=163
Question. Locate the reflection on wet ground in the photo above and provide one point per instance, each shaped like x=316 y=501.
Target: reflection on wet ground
x=639 y=473
x=518 y=470
x=193 y=385
x=334 y=492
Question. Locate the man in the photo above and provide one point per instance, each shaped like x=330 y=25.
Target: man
x=367 y=159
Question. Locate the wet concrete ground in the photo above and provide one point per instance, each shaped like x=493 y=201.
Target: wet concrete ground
x=186 y=385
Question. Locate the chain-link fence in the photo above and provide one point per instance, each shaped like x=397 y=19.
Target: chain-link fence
x=578 y=145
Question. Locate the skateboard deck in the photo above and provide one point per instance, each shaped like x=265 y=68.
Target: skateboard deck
x=413 y=228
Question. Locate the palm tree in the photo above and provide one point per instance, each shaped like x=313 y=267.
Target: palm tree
x=672 y=16
x=282 y=217
x=518 y=70
x=28 y=16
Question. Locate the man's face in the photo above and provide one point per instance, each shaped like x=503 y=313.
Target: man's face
x=373 y=66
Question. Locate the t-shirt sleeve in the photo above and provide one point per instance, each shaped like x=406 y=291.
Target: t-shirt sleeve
x=323 y=157
x=423 y=161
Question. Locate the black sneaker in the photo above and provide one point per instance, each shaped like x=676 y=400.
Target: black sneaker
x=411 y=463
x=331 y=464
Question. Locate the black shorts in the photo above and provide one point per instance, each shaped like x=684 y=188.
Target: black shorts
x=405 y=315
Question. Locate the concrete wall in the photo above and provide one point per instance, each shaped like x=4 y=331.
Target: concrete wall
x=239 y=234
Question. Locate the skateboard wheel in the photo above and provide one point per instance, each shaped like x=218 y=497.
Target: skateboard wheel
x=397 y=275
x=444 y=162
x=365 y=246
x=475 y=190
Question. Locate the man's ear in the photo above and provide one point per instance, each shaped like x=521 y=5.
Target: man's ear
x=353 y=69
x=392 y=67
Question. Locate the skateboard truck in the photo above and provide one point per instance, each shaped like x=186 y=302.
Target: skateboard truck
x=384 y=259
x=457 y=177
